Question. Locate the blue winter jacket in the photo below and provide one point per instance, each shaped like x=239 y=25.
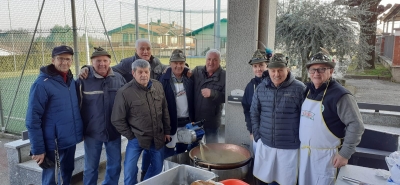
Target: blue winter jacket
x=169 y=90
x=53 y=112
x=96 y=95
x=275 y=112
x=247 y=98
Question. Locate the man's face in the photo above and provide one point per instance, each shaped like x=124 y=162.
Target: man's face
x=144 y=51
x=278 y=75
x=101 y=65
x=321 y=74
x=259 y=68
x=62 y=62
x=177 y=67
x=212 y=62
x=141 y=75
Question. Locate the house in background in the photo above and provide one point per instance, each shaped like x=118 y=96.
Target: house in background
x=204 y=38
x=164 y=37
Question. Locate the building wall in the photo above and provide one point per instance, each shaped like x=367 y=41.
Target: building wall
x=205 y=39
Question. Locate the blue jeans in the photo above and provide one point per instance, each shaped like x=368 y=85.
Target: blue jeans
x=272 y=183
x=211 y=135
x=66 y=167
x=93 y=149
x=132 y=155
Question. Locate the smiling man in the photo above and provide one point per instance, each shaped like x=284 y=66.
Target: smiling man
x=140 y=113
x=97 y=93
x=329 y=115
x=275 y=117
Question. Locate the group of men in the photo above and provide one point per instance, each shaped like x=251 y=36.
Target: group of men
x=301 y=133
x=139 y=98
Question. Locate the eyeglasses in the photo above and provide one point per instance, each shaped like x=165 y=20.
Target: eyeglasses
x=320 y=70
x=61 y=59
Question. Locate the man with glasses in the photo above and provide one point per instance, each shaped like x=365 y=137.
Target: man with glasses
x=330 y=124
x=275 y=116
x=53 y=119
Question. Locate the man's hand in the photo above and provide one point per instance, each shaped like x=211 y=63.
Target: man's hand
x=167 y=138
x=339 y=161
x=251 y=137
x=38 y=158
x=206 y=92
x=83 y=73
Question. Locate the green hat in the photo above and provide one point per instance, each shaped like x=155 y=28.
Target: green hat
x=177 y=56
x=321 y=58
x=258 y=57
x=99 y=52
x=278 y=61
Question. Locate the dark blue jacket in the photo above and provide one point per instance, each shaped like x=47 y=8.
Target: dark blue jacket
x=169 y=90
x=275 y=112
x=96 y=97
x=247 y=98
x=125 y=67
x=53 y=112
x=333 y=94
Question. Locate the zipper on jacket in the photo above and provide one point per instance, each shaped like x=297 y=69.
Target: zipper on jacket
x=106 y=107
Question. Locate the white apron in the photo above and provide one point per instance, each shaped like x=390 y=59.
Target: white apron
x=273 y=164
x=318 y=146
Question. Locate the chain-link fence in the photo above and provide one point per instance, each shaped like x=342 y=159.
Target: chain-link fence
x=161 y=21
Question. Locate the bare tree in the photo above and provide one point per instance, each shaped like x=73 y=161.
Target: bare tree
x=311 y=24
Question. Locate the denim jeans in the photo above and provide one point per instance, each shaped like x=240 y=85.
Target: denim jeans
x=93 y=149
x=211 y=135
x=132 y=155
x=67 y=160
x=272 y=183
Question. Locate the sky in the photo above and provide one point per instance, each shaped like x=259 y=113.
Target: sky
x=15 y=14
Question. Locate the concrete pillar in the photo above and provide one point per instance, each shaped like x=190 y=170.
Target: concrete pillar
x=266 y=23
x=242 y=33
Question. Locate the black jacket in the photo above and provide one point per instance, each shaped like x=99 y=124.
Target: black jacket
x=210 y=108
x=247 y=98
x=169 y=90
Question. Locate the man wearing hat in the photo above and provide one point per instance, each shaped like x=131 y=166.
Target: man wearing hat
x=178 y=88
x=53 y=120
x=96 y=94
x=259 y=63
x=275 y=116
x=331 y=125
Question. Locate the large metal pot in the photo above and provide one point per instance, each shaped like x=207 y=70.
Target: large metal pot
x=226 y=170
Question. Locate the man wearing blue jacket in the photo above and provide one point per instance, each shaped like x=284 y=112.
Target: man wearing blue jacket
x=53 y=119
x=275 y=118
x=178 y=88
x=96 y=94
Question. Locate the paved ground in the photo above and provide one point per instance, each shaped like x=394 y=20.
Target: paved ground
x=365 y=90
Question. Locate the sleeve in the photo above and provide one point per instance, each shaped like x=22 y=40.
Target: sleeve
x=246 y=104
x=79 y=87
x=118 y=116
x=350 y=115
x=38 y=98
x=218 y=96
x=255 y=112
x=165 y=119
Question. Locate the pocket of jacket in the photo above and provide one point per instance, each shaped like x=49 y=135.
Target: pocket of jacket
x=158 y=104
x=136 y=107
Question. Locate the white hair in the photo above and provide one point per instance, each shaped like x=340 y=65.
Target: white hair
x=140 y=63
x=142 y=40
x=214 y=51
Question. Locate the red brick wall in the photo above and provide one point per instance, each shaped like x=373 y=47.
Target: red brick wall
x=396 y=51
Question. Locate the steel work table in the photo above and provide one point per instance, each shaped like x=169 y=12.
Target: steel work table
x=363 y=174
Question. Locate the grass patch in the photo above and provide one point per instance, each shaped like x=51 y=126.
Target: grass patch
x=379 y=70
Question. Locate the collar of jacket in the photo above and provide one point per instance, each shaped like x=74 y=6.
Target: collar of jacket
x=168 y=73
x=149 y=86
x=289 y=79
x=215 y=75
x=96 y=75
x=51 y=71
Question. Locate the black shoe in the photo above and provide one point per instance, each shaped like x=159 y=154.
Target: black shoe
x=142 y=175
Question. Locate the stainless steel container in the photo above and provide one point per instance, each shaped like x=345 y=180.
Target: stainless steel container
x=180 y=174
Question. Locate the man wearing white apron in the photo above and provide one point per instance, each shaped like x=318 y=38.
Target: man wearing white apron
x=275 y=117
x=328 y=115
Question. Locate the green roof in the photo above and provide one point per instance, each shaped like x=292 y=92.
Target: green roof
x=195 y=32
x=118 y=30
